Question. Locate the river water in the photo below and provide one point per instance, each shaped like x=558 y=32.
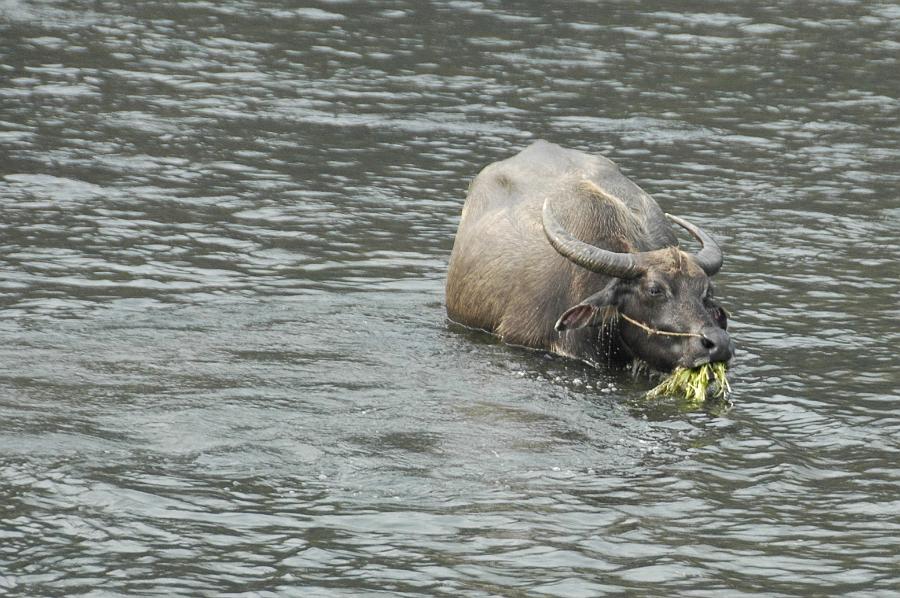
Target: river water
x=225 y=367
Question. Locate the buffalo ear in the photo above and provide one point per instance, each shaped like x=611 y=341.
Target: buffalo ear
x=719 y=316
x=584 y=314
x=576 y=317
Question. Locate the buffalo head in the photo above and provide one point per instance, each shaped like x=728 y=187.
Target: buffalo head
x=660 y=301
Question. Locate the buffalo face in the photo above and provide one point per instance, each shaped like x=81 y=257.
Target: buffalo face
x=669 y=318
x=660 y=302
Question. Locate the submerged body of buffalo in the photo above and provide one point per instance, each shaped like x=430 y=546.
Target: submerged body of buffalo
x=558 y=250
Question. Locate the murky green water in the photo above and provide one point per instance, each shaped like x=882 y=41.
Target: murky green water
x=225 y=367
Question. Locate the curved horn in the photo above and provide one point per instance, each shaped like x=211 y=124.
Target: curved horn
x=595 y=259
x=710 y=256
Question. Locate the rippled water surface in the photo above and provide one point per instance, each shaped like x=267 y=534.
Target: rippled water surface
x=225 y=367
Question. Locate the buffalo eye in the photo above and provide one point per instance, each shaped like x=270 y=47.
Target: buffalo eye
x=655 y=290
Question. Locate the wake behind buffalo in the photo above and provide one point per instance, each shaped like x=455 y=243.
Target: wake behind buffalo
x=558 y=250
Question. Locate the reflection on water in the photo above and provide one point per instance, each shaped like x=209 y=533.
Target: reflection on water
x=223 y=237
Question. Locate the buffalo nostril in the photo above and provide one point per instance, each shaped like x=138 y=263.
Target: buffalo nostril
x=717 y=344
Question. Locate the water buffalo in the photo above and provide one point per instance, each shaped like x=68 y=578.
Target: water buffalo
x=558 y=250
